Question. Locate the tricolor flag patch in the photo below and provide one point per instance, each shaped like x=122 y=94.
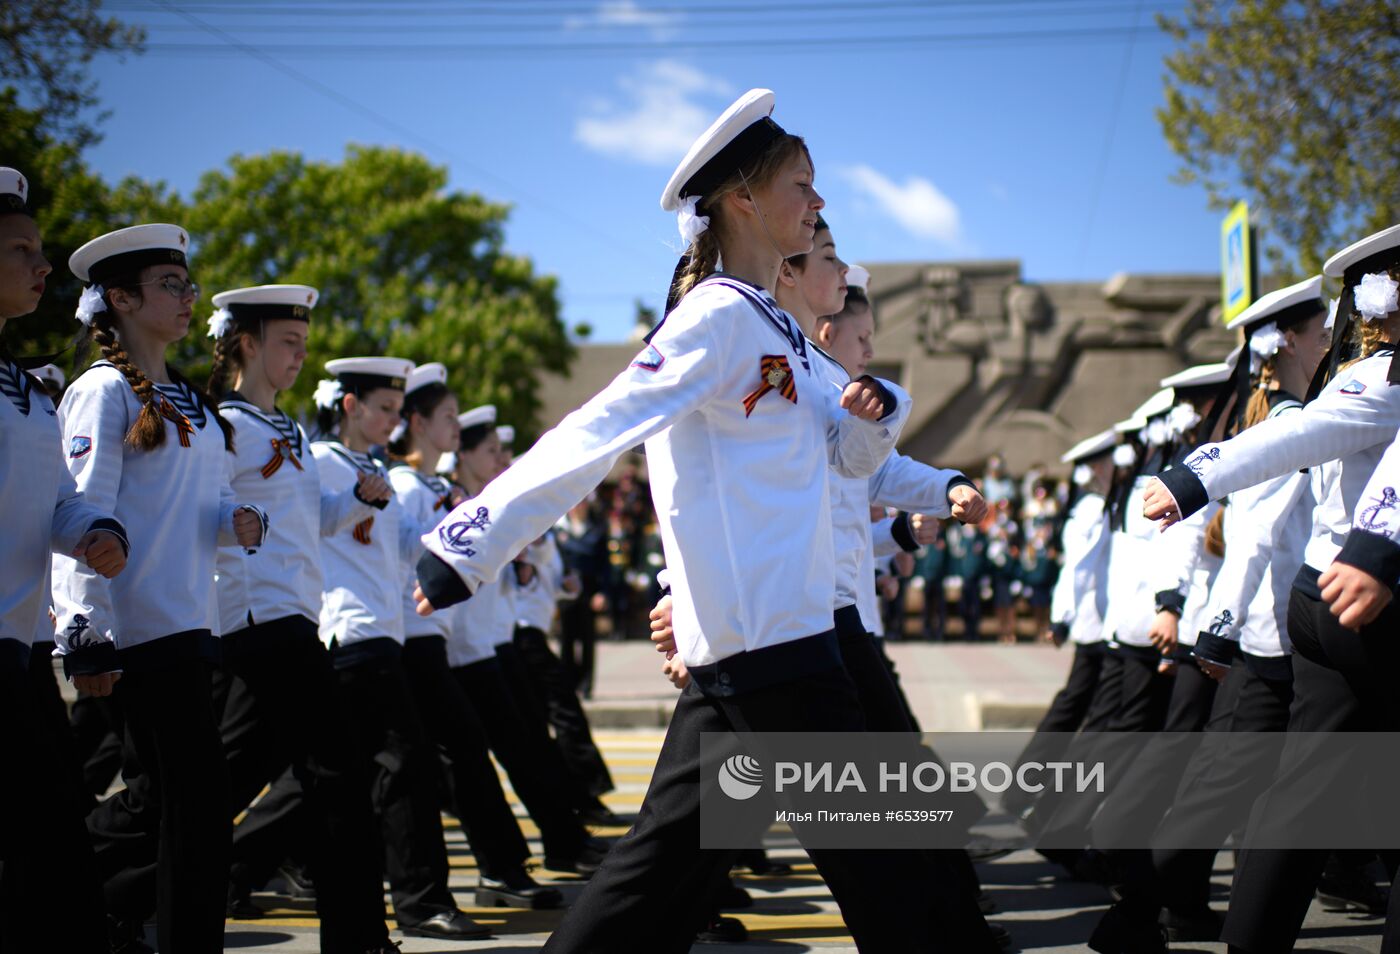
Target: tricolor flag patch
x=1353 y=387
x=649 y=360
x=79 y=447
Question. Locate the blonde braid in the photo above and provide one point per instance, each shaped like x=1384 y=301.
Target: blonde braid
x=148 y=432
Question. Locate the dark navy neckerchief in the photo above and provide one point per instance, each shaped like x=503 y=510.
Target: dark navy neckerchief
x=237 y=401
x=440 y=487
x=779 y=319
x=352 y=457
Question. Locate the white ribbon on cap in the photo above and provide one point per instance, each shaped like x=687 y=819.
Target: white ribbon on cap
x=90 y=303
x=328 y=393
x=691 y=226
x=1263 y=345
x=220 y=322
x=1124 y=456
x=1082 y=475
x=1181 y=419
x=1377 y=296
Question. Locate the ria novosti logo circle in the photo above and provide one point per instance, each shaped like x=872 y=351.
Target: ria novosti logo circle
x=740 y=777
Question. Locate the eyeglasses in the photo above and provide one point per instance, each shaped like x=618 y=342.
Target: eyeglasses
x=178 y=289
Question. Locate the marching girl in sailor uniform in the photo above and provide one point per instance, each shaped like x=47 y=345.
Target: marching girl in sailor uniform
x=1342 y=678
x=362 y=624
x=282 y=699
x=429 y=429
x=1240 y=627
x=740 y=427
x=1361 y=582
x=1077 y=604
x=141 y=440
x=536 y=769
x=44 y=512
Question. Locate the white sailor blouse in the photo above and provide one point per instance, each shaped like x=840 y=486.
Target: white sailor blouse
x=1181 y=572
x=1267 y=527
x=1352 y=422
x=481 y=623
x=425 y=500
x=740 y=428
x=1373 y=544
x=535 y=601
x=44 y=511
x=1128 y=617
x=1080 y=597
x=362 y=563
x=177 y=506
x=272 y=466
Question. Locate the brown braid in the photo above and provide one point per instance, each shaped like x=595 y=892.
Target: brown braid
x=225 y=361
x=148 y=432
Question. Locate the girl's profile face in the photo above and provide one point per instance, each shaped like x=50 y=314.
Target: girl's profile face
x=163 y=307
x=822 y=278
x=375 y=413
x=23 y=267
x=481 y=464
x=280 y=351
x=789 y=206
x=849 y=341
x=439 y=429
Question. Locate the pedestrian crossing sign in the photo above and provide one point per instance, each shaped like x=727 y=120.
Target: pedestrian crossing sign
x=1237 y=281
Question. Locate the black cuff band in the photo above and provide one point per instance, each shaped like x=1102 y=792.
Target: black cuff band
x=1060 y=631
x=440 y=583
x=903 y=533
x=376 y=504
x=92 y=660
x=1170 y=601
x=888 y=403
x=115 y=528
x=1216 y=649
x=1186 y=488
x=958 y=481
x=1372 y=553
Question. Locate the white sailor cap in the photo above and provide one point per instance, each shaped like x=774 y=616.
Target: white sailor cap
x=434 y=372
x=506 y=433
x=1100 y=443
x=1284 y=306
x=1155 y=406
x=486 y=414
x=1204 y=375
x=741 y=133
x=51 y=374
x=14 y=190
x=858 y=276
x=126 y=251
x=260 y=303
x=366 y=374
x=1375 y=253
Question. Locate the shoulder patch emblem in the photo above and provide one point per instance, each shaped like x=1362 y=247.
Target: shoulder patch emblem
x=79 y=447
x=650 y=359
x=1353 y=387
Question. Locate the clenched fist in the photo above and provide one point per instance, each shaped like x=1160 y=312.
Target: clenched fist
x=247 y=527
x=372 y=488
x=1158 y=504
x=102 y=552
x=969 y=506
x=862 y=397
x=1352 y=595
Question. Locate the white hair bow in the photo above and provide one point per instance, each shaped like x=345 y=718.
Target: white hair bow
x=691 y=226
x=1263 y=345
x=328 y=393
x=89 y=304
x=1124 y=456
x=1377 y=296
x=1182 y=418
x=220 y=322
x=1082 y=475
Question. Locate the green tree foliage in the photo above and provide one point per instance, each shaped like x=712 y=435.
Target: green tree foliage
x=1295 y=106
x=45 y=47
x=404 y=268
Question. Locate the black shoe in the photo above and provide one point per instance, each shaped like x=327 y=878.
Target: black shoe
x=589 y=857
x=516 y=889
x=765 y=867
x=299 y=883
x=723 y=931
x=599 y=814
x=1001 y=935
x=732 y=896
x=240 y=906
x=1118 y=933
x=386 y=947
x=127 y=937
x=1201 y=924
x=1344 y=888
x=982 y=854
x=447 y=926
x=985 y=904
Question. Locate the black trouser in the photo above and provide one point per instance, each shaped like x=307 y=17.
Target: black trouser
x=1065 y=715
x=524 y=757
x=55 y=731
x=1227 y=770
x=881 y=648
x=935 y=611
x=578 y=632
x=50 y=894
x=97 y=731
x=555 y=698
x=385 y=724
x=1343 y=681
x=283 y=706
x=475 y=793
x=652 y=891
x=173 y=814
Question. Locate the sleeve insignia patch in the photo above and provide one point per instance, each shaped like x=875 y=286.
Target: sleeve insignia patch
x=1353 y=387
x=79 y=447
x=649 y=360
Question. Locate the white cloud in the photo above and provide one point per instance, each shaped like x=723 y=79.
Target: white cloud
x=916 y=203
x=628 y=13
x=667 y=104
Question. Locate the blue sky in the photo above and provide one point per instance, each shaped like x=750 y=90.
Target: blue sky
x=940 y=129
